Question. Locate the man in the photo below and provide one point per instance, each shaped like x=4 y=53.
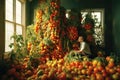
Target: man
x=84 y=47
x=83 y=50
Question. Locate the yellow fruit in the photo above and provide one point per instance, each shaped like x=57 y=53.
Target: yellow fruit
x=83 y=71
x=111 y=60
x=111 y=64
x=94 y=63
x=115 y=76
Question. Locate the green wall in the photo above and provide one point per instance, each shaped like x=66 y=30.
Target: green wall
x=116 y=25
x=109 y=42
x=81 y=4
x=30 y=7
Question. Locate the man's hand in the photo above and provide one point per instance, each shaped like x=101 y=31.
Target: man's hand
x=79 y=51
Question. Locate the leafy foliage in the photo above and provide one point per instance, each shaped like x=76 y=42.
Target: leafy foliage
x=19 y=49
x=30 y=36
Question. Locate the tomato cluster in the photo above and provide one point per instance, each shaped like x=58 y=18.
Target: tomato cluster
x=88 y=26
x=72 y=32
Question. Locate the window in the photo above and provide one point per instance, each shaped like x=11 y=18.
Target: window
x=14 y=20
x=97 y=15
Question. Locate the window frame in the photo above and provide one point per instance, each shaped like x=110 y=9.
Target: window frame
x=23 y=19
x=102 y=11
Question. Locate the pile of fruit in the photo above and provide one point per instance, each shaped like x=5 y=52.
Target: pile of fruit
x=99 y=68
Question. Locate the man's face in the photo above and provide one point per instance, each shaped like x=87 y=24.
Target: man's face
x=80 y=39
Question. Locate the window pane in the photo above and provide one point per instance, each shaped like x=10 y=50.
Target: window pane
x=99 y=27
x=18 y=12
x=18 y=30
x=9 y=31
x=83 y=16
x=97 y=17
x=9 y=10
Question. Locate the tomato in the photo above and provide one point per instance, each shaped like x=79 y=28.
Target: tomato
x=112 y=71
x=104 y=73
x=62 y=76
x=77 y=63
x=80 y=67
x=99 y=76
x=90 y=68
x=72 y=64
x=89 y=72
x=118 y=69
x=108 y=58
x=111 y=64
x=100 y=68
x=95 y=70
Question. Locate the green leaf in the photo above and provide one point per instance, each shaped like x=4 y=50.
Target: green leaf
x=11 y=45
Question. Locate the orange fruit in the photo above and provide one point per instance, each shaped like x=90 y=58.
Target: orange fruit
x=99 y=76
x=95 y=70
x=111 y=64
x=83 y=71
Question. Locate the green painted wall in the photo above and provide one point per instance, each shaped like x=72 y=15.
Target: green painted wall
x=116 y=25
x=81 y=4
x=108 y=27
x=30 y=7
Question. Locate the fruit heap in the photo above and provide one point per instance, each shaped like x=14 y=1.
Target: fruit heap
x=45 y=40
x=99 y=68
x=53 y=33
